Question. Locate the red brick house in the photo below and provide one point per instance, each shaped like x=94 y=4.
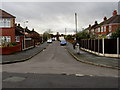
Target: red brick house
x=106 y=27
x=7 y=34
x=19 y=35
x=7 y=27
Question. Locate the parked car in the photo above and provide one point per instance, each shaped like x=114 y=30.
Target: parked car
x=53 y=39
x=49 y=41
x=63 y=42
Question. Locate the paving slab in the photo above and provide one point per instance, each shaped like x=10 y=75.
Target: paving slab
x=87 y=57
x=23 y=55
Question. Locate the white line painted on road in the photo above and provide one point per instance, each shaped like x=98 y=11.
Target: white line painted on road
x=79 y=75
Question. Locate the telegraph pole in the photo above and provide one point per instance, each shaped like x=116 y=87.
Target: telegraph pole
x=76 y=22
x=65 y=31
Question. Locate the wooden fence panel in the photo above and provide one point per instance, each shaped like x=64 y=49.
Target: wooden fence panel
x=96 y=45
x=111 y=46
x=119 y=45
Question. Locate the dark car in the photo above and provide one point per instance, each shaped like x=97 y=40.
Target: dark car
x=63 y=42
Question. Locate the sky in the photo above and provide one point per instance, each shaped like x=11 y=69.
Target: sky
x=57 y=16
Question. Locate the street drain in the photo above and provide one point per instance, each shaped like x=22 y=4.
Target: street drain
x=14 y=79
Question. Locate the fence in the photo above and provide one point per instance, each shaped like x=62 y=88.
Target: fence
x=103 y=47
x=28 y=44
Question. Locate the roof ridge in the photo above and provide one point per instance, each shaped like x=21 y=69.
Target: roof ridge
x=4 y=12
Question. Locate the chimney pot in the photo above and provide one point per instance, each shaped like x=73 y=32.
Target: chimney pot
x=114 y=12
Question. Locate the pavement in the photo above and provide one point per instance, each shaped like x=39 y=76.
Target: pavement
x=55 y=59
x=54 y=67
x=89 y=58
x=83 y=57
x=23 y=55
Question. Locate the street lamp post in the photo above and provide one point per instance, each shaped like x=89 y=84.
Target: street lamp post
x=77 y=44
x=24 y=34
x=76 y=22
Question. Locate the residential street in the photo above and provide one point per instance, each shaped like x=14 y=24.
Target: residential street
x=55 y=67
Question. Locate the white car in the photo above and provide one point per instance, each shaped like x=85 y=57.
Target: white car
x=49 y=41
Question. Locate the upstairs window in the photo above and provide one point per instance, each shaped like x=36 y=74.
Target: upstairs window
x=5 y=22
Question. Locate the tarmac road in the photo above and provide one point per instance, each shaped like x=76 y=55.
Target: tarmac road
x=55 y=61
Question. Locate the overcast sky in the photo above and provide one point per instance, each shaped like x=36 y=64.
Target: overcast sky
x=59 y=15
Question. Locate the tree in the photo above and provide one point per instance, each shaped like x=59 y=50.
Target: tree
x=69 y=37
x=83 y=35
x=116 y=34
x=45 y=36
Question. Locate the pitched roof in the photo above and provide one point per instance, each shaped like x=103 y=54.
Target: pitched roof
x=113 y=19
x=4 y=14
x=18 y=31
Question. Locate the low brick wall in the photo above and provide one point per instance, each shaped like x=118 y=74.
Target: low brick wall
x=10 y=50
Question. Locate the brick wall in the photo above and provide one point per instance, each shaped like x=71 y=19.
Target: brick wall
x=10 y=50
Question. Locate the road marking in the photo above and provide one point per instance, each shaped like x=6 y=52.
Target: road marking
x=14 y=79
x=79 y=75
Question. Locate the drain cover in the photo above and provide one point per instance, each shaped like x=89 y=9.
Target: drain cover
x=14 y=79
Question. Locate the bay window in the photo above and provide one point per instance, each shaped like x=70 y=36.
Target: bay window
x=5 y=38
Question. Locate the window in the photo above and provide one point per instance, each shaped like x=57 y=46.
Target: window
x=4 y=22
x=17 y=39
x=102 y=29
x=5 y=38
x=98 y=29
x=8 y=38
x=110 y=28
x=0 y=40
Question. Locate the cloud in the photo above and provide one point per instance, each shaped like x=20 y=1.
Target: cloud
x=59 y=15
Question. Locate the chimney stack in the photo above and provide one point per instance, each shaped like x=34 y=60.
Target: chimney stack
x=15 y=24
x=33 y=29
x=114 y=12
x=18 y=25
x=96 y=23
x=89 y=25
x=105 y=18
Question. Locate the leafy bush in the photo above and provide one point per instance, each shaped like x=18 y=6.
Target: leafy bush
x=116 y=34
x=9 y=44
